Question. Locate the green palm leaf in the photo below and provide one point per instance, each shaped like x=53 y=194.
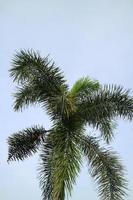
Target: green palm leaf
x=39 y=80
x=45 y=169
x=30 y=66
x=84 y=86
x=105 y=168
x=24 y=143
x=61 y=161
x=25 y=96
x=101 y=108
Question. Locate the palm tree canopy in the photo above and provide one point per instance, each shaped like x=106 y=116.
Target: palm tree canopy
x=70 y=109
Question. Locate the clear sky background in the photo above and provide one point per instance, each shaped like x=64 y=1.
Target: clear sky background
x=84 y=37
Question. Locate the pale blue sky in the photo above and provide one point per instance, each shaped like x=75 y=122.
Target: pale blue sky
x=88 y=37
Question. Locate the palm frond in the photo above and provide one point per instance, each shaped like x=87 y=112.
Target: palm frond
x=121 y=100
x=106 y=127
x=104 y=105
x=25 y=96
x=106 y=170
x=24 y=143
x=64 y=164
x=40 y=81
x=111 y=101
x=66 y=168
x=29 y=65
x=67 y=162
x=83 y=86
x=45 y=169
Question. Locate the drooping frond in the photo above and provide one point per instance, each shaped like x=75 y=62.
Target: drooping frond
x=67 y=166
x=106 y=170
x=24 y=143
x=64 y=164
x=120 y=99
x=102 y=106
x=110 y=101
x=67 y=161
x=107 y=127
x=29 y=65
x=45 y=169
x=38 y=76
x=83 y=86
x=25 y=96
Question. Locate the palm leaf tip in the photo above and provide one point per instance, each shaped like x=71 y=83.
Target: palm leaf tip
x=28 y=65
x=24 y=143
x=120 y=102
x=106 y=170
x=24 y=96
x=107 y=128
x=85 y=85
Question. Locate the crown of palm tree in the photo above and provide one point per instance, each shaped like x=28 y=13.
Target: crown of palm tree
x=63 y=146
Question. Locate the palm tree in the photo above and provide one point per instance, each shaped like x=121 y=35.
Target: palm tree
x=67 y=142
